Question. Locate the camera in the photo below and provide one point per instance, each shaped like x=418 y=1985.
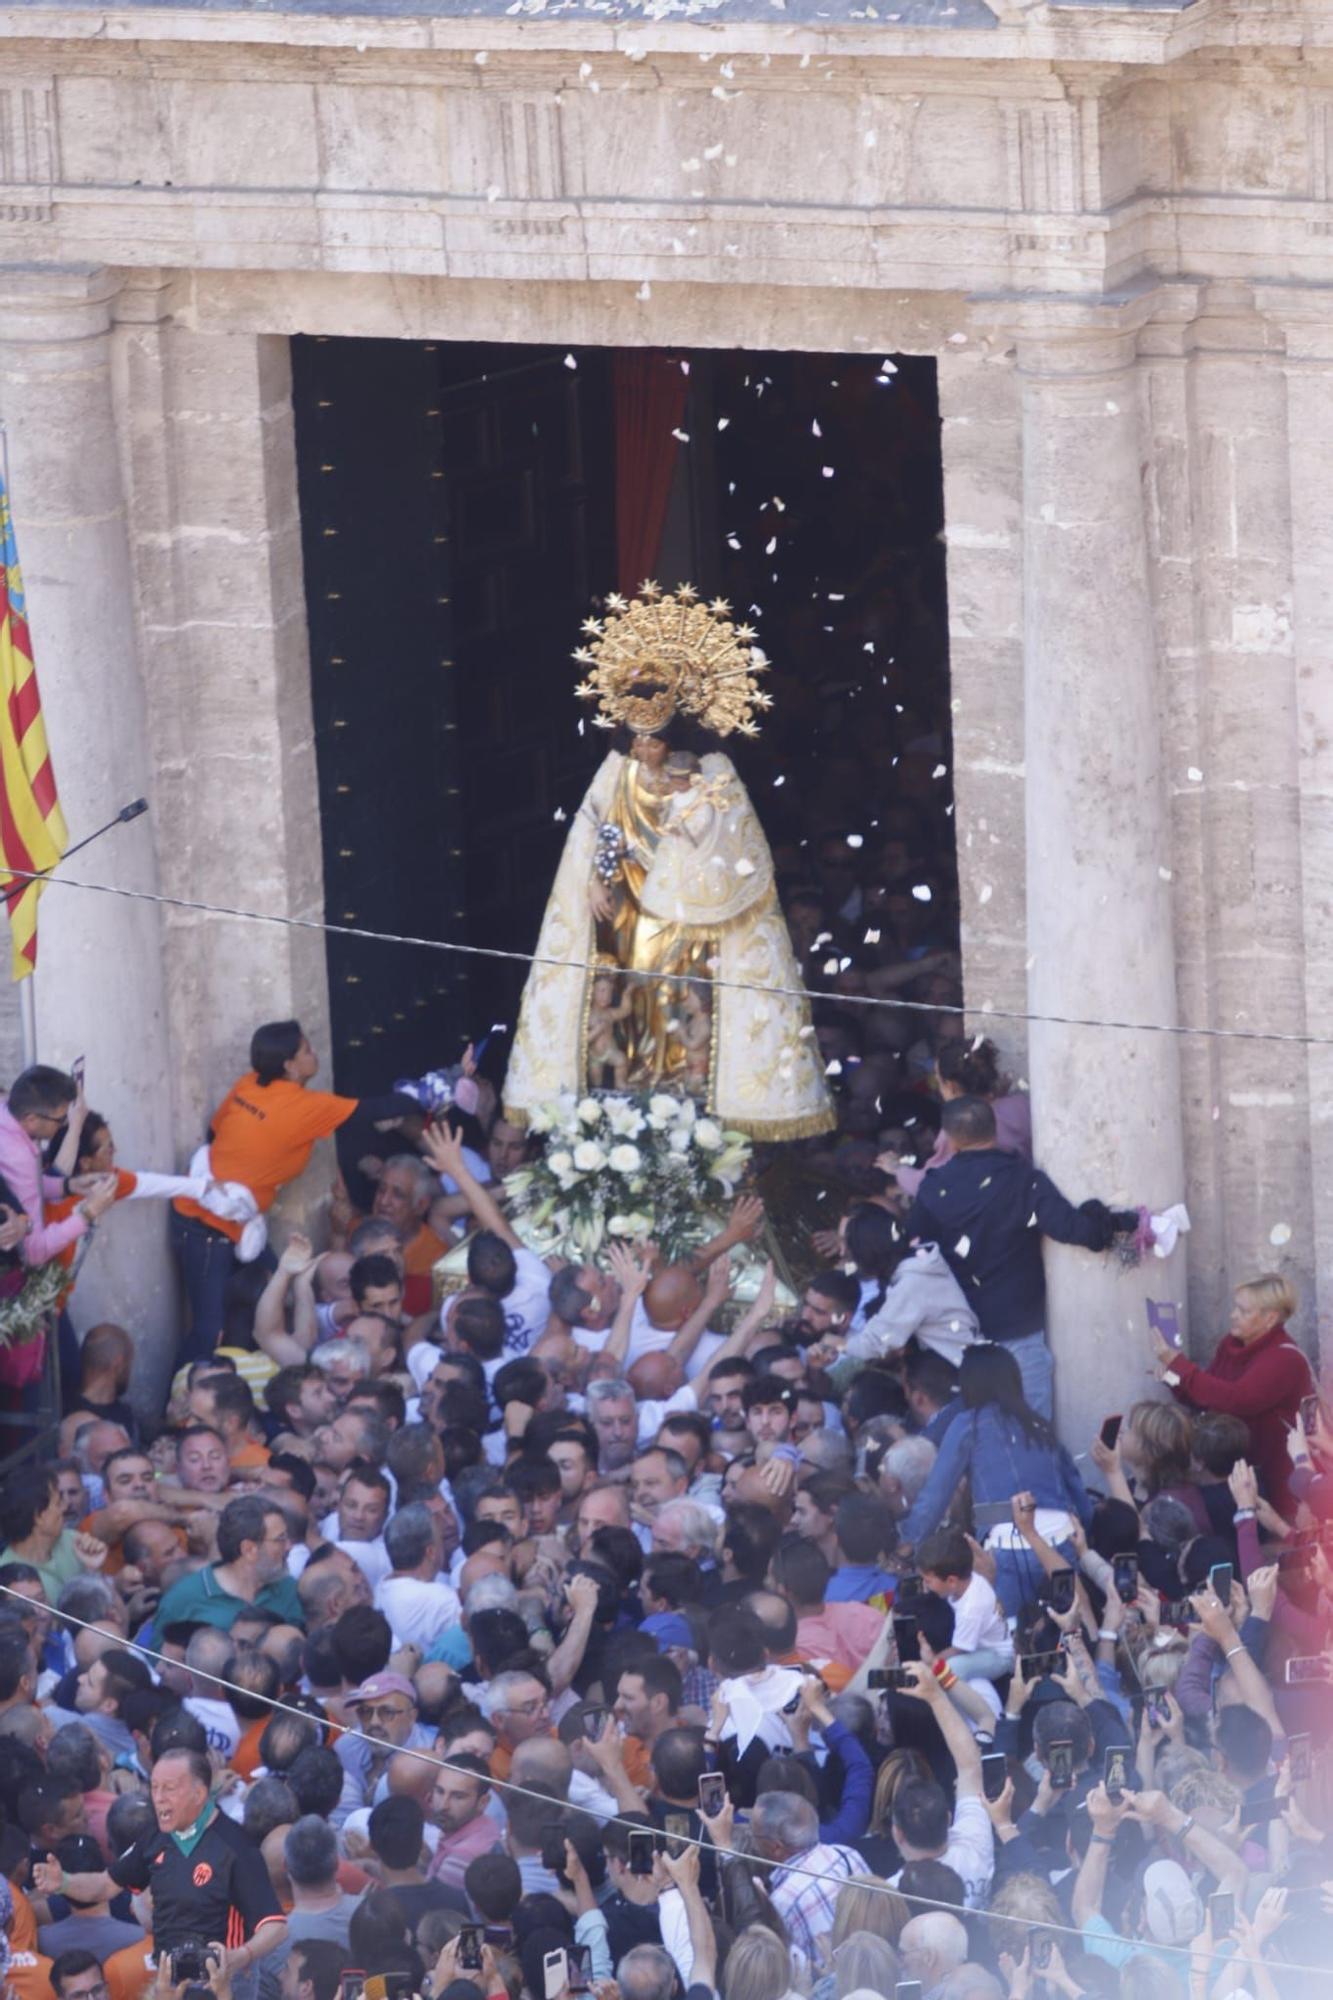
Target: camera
x=190 y=1963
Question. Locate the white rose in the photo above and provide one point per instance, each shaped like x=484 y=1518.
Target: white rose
x=560 y=1163
x=625 y=1119
x=639 y=1223
x=679 y=1142
x=620 y=1225
x=589 y=1157
x=589 y=1111
x=708 y=1135
x=626 y=1159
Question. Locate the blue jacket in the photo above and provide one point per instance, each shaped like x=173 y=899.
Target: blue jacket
x=994 y=1452
x=988 y=1211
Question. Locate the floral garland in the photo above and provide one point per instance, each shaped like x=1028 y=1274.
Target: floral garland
x=625 y=1168
x=22 y=1313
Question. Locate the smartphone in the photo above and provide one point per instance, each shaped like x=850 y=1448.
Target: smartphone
x=1179 y=1612
x=988 y=1514
x=580 y=1968
x=1115 y=1773
x=994 y=1775
x=1111 y=1431
x=1060 y=1591
x=1309 y=1413
x=469 y=1948
x=641 y=1853
x=910 y=1588
x=907 y=1989
x=712 y=1793
x=553 y=1848
x=1035 y=1666
x=907 y=1639
x=390 y=1986
x=594 y=1723
x=1060 y=1764
x=352 y=1984
x=1220 y=1579
x=1039 y=1950
x=1260 y=1814
x=1159 y=1709
x=1300 y=1755
x=1313 y=1668
x=1125 y=1573
x=555 y=1974
x=1222 y=1914
x=677 y=1832
x=80 y=1064
x=1164 y=1318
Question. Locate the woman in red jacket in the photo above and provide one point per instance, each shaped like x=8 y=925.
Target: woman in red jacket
x=1258 y=1373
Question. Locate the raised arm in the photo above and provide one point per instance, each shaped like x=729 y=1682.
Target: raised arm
x=743 y=1225
x=958 y=1738
x=632 y=1274
x=288 y=1349
x=717 y=1284
x=443 y=1149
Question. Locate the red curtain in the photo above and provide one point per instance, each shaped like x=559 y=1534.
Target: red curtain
x=649 y=393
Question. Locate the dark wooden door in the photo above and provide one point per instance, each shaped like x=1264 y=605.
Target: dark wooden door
x=368 y=429
x=526 y=443
x=457 y=518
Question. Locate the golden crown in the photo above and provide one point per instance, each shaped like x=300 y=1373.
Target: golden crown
x=665 y=653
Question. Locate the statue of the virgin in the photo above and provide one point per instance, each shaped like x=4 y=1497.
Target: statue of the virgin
x=664 y=962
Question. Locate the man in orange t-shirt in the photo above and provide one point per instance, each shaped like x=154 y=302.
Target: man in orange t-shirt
x=262 y=1136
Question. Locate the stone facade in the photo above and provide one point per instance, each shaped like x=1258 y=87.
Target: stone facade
x=1110 y=226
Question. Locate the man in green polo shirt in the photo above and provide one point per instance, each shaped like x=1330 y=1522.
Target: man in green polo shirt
x=254 y=1544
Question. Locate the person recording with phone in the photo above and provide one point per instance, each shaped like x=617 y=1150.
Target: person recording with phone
x=1257 y=1372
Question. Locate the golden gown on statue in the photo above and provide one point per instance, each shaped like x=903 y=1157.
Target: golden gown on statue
x=696 y=896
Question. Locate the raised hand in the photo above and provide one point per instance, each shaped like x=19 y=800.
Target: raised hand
x=443 y=1149
x=1244 y=1484
x=299 y=1254
x=746 y=1219
x=91 y=1553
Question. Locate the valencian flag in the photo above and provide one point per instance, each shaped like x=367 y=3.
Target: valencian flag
x=32 y=826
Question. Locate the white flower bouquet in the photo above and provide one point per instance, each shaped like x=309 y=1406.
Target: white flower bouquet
x=625 y=1168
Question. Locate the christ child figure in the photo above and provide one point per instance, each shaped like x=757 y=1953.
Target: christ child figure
x=696 y=1033
x=604 y=1016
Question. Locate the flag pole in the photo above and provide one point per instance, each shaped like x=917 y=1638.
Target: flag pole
x=28 y=1019
x=27 y=997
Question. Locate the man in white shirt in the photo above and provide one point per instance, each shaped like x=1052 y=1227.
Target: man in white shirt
x=357 y=1527
x=982 y=1646
x=417 y=1604
x=498 y=1262
x=921 y=1824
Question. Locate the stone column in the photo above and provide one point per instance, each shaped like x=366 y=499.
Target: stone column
x=1308 y=428
x=210 y=467
x=1106 y=1101
x=99 y=987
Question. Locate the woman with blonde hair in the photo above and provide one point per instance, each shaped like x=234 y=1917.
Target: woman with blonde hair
x=1258 y=1373
x=868 y=1905
x=862 y=1961
x=758 y=1967
x=878 y=1847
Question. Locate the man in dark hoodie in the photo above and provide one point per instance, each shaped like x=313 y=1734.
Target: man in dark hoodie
x=989 y=1210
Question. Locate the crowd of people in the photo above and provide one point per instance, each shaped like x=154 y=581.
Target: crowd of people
x=585 y=1630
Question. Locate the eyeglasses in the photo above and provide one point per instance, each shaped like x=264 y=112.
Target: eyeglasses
x=528 y=1707
x=388 y=1711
